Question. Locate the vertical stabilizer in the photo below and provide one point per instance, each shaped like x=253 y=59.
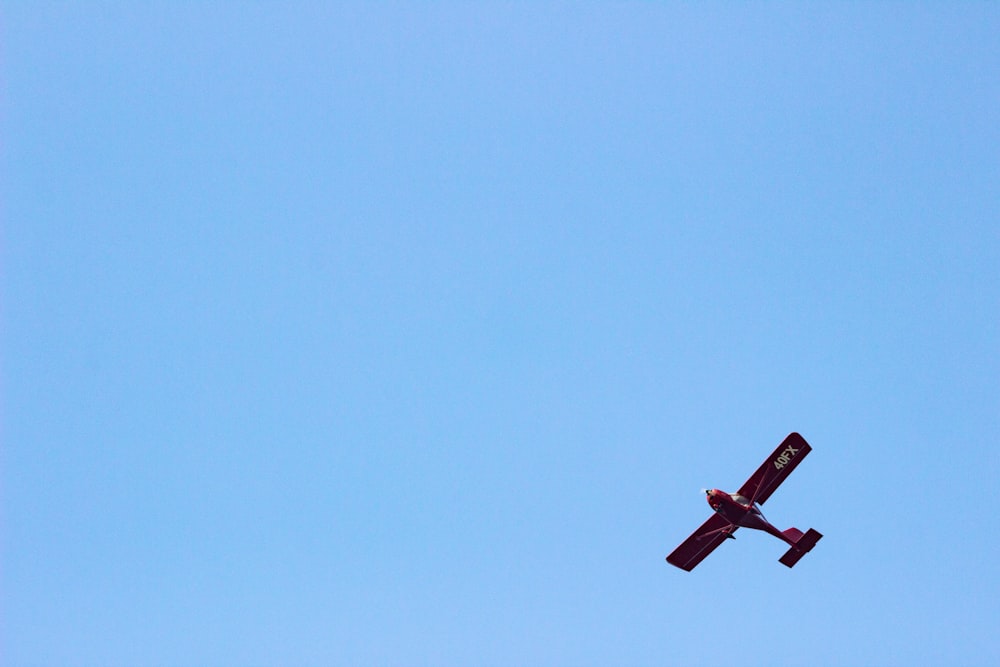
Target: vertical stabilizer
x=793 y=534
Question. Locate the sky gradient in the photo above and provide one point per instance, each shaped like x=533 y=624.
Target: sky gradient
x=407 y=334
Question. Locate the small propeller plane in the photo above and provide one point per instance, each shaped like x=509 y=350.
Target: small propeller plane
x=742 y=509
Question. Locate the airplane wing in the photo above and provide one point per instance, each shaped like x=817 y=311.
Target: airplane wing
x=702 y=542
x=776 y=468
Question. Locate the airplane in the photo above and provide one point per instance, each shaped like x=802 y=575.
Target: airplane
x=742 y=509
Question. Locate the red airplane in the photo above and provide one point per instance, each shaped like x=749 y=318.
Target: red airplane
x=733 y=510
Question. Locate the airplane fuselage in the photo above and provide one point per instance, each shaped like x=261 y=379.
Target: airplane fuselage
x=739 y=511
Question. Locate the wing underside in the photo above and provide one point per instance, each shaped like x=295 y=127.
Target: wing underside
x=702 y=542
x=776 y=468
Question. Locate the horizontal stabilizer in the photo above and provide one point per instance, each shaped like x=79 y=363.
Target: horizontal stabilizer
x=803 y=545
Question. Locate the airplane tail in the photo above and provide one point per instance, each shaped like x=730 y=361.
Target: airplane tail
x=802 y=544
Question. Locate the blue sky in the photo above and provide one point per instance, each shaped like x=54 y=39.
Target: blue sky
x=407 y=334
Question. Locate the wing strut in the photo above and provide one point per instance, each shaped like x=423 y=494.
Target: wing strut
x=728 y=530
x=753 y=500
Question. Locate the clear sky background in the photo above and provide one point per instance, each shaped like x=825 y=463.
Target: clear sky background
x=407 y=333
